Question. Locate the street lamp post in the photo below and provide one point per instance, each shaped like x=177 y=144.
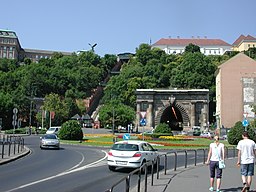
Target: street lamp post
x=113 y=121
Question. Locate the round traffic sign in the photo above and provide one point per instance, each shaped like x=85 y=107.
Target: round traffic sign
x=245 y=123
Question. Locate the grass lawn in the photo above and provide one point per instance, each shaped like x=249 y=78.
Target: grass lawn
x=174 y=142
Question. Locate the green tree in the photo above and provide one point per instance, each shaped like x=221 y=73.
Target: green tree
x=71 y=130
x=122 y=114
x=196 y=71
x=235 y=133
x=191 y=48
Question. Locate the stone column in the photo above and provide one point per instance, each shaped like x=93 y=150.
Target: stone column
x=205 y=118
x=193 y=114
x=150 y=114
x=137 y=121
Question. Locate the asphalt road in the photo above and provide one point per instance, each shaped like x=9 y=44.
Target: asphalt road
x=72 y=168
x=66 y=169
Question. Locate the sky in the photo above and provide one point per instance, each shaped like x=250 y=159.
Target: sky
x=119 y=26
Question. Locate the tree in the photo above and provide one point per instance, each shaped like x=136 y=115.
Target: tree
x=235 y=133
x=122 y=114
x=53 y=103
x=71 y=130
x=195 y=71
x=191 y=48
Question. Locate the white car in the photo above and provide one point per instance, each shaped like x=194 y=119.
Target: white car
x=130 y=154
x=207 y=134
x=53 y=130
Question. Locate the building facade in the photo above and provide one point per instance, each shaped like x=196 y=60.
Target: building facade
x=207 y=46
x=10 y=48
x=180 y=109
x=235 y=90
x=243 y=43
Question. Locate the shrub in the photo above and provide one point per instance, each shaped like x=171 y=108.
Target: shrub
x=71 y=130
x=163 y=128
x=235 y=133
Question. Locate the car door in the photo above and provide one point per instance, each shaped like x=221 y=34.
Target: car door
x=152 y=152
x=148 y=151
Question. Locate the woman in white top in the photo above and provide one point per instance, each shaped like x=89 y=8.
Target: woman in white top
x=216 y=153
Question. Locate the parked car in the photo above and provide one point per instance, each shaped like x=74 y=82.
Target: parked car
x=49 y=141
x=196 y=130
x=130 y=154
x=53 y=130
x=207 y=134
x=225 y=137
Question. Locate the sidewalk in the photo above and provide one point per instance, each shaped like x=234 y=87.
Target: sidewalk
x=13 y=156
x=196 y=179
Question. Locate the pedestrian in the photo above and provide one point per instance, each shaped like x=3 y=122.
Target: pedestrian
x=246 y=155
x=215 y=154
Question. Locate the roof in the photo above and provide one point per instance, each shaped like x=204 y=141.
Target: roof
x=185 y=42
x=243 y=38
x=7 y=33
x=241 y=57
x=131 y=142
x=45 y=51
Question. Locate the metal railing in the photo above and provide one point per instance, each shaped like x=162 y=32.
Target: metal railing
x=162 y=167
x=10 y=145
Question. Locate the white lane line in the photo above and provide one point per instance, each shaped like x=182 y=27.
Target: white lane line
x=60 y=174
x=77 y=165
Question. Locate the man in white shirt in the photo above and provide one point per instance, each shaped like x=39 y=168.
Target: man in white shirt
x=246 y=155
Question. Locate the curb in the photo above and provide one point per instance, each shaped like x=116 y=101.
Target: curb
x=15 y=157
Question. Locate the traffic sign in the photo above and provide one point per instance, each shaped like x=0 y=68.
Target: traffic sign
x=245 y=122
x=126 y=136
x=143 y=114
x=143 y=122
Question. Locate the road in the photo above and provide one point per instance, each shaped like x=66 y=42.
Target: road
x=72 y=168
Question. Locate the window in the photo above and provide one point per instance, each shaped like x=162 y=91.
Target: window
x=144 y=106
x=10 y=55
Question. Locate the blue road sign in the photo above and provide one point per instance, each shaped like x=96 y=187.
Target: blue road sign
x=143 y=122
x=126 y=136
x=245 y=122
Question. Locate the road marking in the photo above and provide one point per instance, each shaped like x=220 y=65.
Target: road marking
x=61 y=174
x=79 y=162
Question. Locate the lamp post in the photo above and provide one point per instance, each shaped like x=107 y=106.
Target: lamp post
x=113 y=121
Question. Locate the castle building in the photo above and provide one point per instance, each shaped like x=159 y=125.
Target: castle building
x=10 y=48
x=207 y=46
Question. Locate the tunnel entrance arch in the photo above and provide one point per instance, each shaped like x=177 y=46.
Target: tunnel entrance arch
x=180 y=109
x=174 y=116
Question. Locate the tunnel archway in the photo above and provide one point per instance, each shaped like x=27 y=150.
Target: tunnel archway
x=173 y=118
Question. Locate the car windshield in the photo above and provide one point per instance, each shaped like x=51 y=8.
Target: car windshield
x=50 y=137
x=125 y=147
x=51 y=129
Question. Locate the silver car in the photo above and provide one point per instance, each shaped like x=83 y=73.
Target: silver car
x=49 y=141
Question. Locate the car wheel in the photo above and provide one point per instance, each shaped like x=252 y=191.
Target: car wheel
x=112 y=168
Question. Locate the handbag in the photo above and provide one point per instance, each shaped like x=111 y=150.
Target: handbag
x=221 y=162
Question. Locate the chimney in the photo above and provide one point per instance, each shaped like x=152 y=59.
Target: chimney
x=205 y=37
x=178 y=37
x=192 y=37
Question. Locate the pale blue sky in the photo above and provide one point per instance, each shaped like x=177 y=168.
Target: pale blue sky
x=119 y=26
